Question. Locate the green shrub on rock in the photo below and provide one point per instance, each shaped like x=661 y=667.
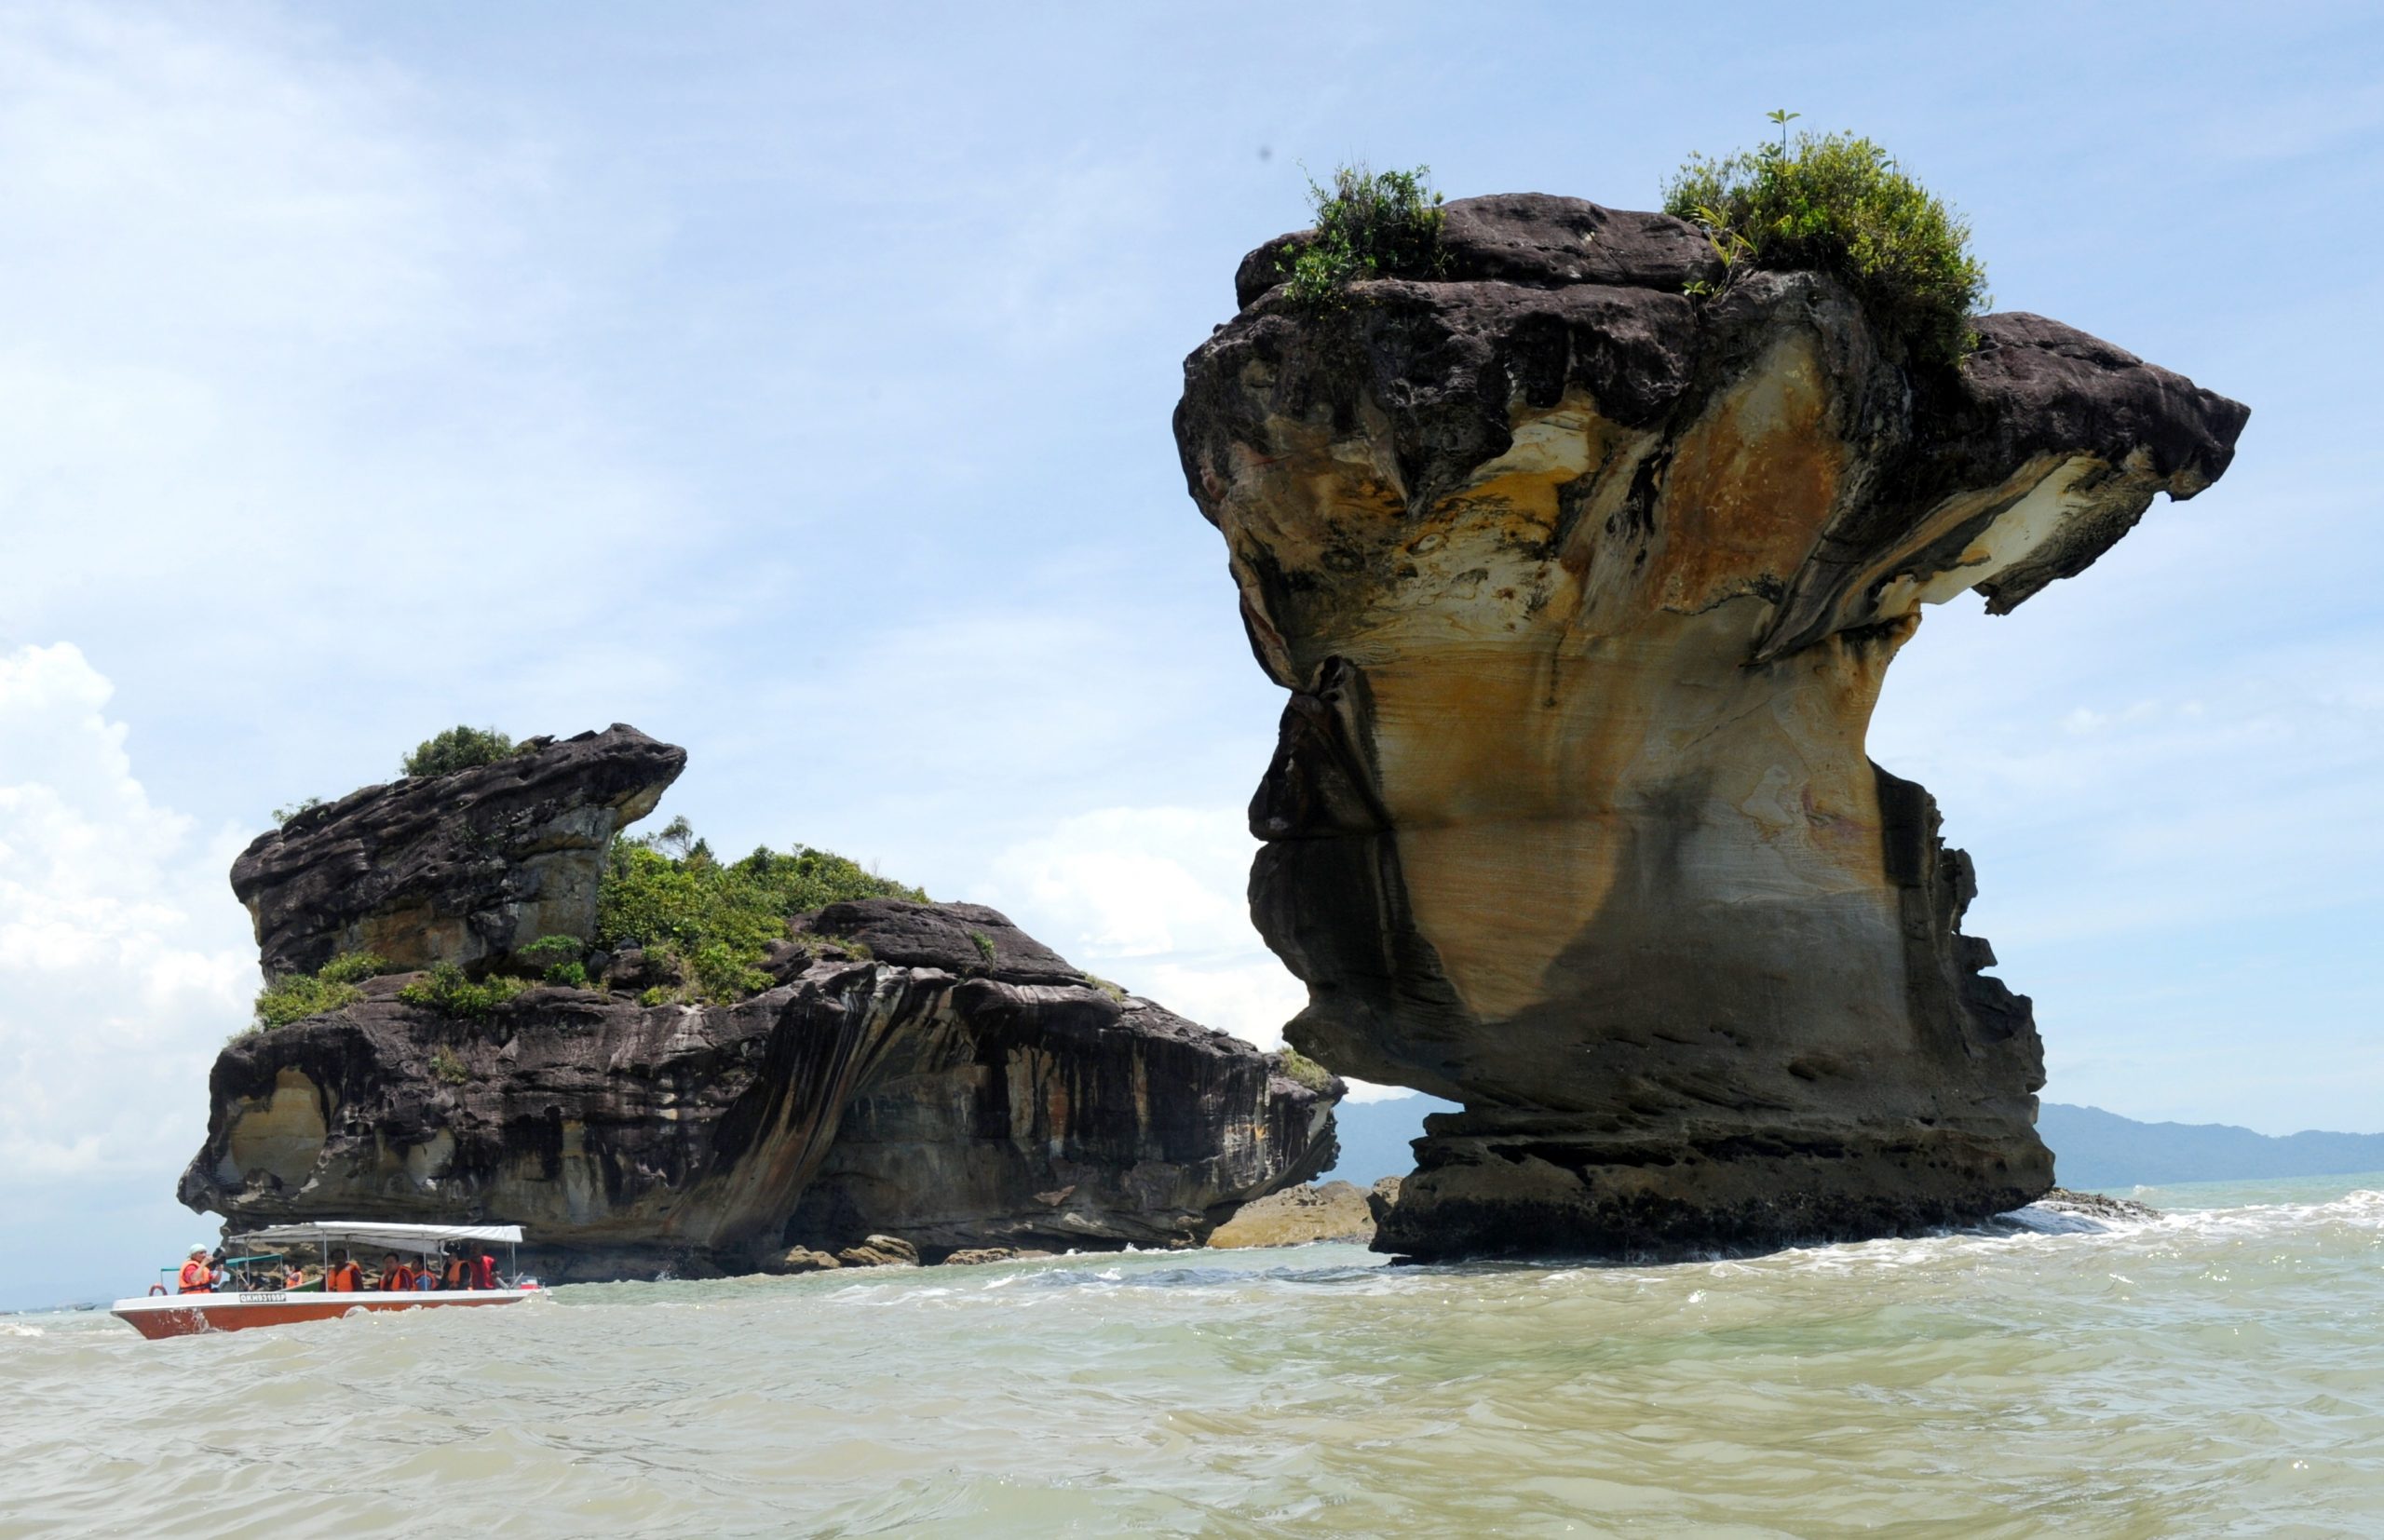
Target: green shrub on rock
x=718 y=916
x=456 y=749
x=356 y=966
x=1841 y=204
x=449 y=990
x=1301 y=1070
x=295 y=996
x=1369 y=224
x=556 y=959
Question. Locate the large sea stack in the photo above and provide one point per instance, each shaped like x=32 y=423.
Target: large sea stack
x=927 y=1072
x=1584 y=566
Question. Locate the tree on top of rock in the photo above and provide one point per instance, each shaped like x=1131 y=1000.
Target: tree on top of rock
x=457 y=748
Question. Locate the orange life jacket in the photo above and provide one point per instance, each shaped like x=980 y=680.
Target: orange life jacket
x=459 y=1274
x=343 y=1277
x=401 y=1276
x=197 y=1278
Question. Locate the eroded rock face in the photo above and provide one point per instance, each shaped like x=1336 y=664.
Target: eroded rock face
x=860 y=1099
x=1297 y=1216
x=465 y=868
x=1585 y=590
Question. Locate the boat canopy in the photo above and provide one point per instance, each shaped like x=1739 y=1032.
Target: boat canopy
x=390 y=1238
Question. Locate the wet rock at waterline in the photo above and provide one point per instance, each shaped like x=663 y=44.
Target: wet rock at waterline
x=1584 y=587
x=1311 y=1211
x=858 y=1100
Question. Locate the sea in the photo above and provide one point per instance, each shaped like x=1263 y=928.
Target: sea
x=2218 y=1370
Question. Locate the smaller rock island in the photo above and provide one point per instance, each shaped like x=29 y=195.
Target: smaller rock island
x=887 y=1078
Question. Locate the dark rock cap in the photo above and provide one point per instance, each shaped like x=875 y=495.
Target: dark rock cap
x=1536 y=239
x=462 y=867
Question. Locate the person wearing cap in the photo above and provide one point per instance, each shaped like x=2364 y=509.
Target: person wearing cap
x=197 y=1277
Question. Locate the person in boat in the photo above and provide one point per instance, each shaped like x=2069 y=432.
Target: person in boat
x=198 y=1275
x=293 y=1276
x=343 y=1276
x=458 y=1274
x=396 y=1277
x=484 y=1272
x=427 y=1277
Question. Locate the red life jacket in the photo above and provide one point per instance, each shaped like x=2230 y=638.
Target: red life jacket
x=197 y=1278
x=484 y=1272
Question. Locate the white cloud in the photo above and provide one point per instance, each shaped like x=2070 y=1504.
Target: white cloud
x=122 y=960
x=283 y=413
x=1152 y=897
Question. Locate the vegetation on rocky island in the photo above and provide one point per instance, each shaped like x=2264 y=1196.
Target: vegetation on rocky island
x=668 y=892
x=1369 y=224
x=1841 y=204
x=295 y=996
x=456 y=749
x=1301 y=1070
x=448 y=990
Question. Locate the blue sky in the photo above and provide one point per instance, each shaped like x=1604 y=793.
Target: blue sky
x=795 y=382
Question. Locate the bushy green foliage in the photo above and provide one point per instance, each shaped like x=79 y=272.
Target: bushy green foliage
x=1369 y=224
x=552 y=948
x=456 y=749
x=983 y=943
x=717 y=916
x=1302 y=1070
x=1841 y=204
x=556 y=958
x=355 y=968
x=447 y=1066
x=449 y=990
x=295 y=996
x=304 y=804
x=660 y=994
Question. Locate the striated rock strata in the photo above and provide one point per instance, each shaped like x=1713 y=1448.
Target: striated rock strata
x=925 y=1074
x=1584 y=588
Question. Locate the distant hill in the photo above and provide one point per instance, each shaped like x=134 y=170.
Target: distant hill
x=2095 y=1149
x=2092 y=1148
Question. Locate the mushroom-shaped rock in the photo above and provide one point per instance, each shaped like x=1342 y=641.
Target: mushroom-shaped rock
x=464 y=868
x=1584 y=587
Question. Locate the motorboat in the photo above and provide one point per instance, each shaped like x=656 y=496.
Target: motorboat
x=266 y=1284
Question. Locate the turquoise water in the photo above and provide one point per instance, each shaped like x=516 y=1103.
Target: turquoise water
x=2218 y=1370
